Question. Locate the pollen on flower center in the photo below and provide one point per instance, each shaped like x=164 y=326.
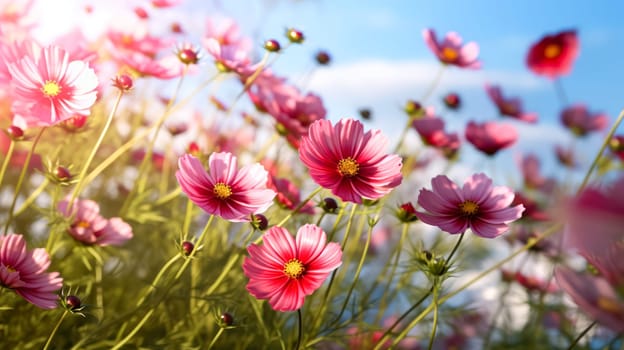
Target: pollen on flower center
x=348 y=167
x=83 y=224
x=294 y=269
x=450 y=54
x=51 y=88
x=468 y=208
x=552 y=51
x=609 y=305
x=222 y=191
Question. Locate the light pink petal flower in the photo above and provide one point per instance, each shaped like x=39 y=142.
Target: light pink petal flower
x=451 y=51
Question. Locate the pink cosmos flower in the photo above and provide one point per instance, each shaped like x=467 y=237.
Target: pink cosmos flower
x=349 y=162
x=89 y=227
x=510 y=107
x=224 y=190
x=490 y=137
x=478 y=205
x=288 y=195
x=431 y=131
x=565 y=156
x=285 y=270
x=48 y=88
x=532 y=176
x=578 y=119
x=165 y=3
x=451 y=50
x=23 y=271
x=228 y=58
x=554 y=54
x=594 y=221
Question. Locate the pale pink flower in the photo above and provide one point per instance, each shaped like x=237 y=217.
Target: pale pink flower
x=167 y=67
x=349 y=162
x=286 y=270
x=23 y=271
x=89 y=227
x=226 y=31
x=490 y=137
x=138 y=41
x=451 y=50
x=224 y=190
x=510 y=107
x=581 y=122
x=478 y=205
x=228 y=58
x=48 y=88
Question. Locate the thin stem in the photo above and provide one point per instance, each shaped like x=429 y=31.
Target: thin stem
x=197 y=244
x=561 y=95
x=7 y=160
x=224 y=273
x=56 y=327
x=33 y=196
x=580 y=336
x=20 y=180
x=448 y=260
x=301 y=205
x=85 y=168
x=299 y=328
x=154 y=283
x=215 y=338
x=434 y=327
x=397 y=258
x=604 y=145
x=134 y=331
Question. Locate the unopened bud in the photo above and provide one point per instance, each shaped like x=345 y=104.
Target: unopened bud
x=412 y=107
x=259 y=222
x=295 y=36
x=73 y=302
x=272 y=45
x=323 y=58
x=329 y=205
x=187 y=248
x=123 y=82
x=15 y=133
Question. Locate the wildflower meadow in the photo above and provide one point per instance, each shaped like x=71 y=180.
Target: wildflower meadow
x=167 y=183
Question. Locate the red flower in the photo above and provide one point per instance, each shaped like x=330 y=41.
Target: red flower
x=553 y=55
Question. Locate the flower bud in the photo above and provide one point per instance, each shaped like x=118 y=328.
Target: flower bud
x=141 y=13
x=227 y=319
x=123 y=82
x=365 y=113
x=187 y=248
x=329 y=205
x=73 y=302
x=74 y=123
x=412 y=107
x=62 y=174
x=193 y=148
x=406 y=213
x=452 y=101
x=322 y=58
x=272 y=45
x=295 y=36
x=259 y=222
x=188 y=54
x=176 y=28
x=15 y=133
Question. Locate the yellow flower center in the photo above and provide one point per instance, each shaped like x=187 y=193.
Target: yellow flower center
x=222 y=191
x=10 y=268
x=83 y=224
x=468 y=208
x=609 y=305
x=450 y=54
x=51 y=88
x=348 y=167
x=509 y=108
x=552 y=51
x=294 y=269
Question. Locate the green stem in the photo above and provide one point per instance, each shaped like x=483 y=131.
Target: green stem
x=301 y=205
x=448 y=260
x=224 y=273
x=580 y=336
x=7 y=160
x=134 y=331
x=33 y=196
x=216 y=337
x=299 y=329
x=197 y=244
x=56 y=327
x=604 y=145
x=81 y=178
x=434 y=327
x=397 y=257
x=154 y=283
x=20 y=180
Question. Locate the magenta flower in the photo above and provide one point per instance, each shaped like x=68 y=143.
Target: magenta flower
x=431 y=131
x=578 y=119
x=594 y=221
x=490 y=137
x=349 y=162
x=478 y=205
x=48 y=88
x=23 y=271
x=285 y=270
x=451 y=50
x=510 y=107
x=89 y=227
x=224 y=190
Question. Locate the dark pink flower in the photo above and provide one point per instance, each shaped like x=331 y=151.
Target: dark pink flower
x=288 y=195
x=285 y=270
x=231 y=193
x=451 y=50
x=23 y=271
x=535 y=284
x=578 y=119
x=349 y=162
x=48 y=88
x=89 y=227
x=431 y=131
x=565 y=156
x=532 y=176
x=478 y=205
x=553 y=55
x=510 y=107
x=490 y=137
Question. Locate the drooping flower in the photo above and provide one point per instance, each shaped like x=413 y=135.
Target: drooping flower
x=532 y=175
x=510 y=107
x=581 y=122
x=554 y=54
x=594 y=221
x=349 y=162
x=23 y=271
x=231 y=193
x=478 y=205
x=451 y=50
x=89 y=227
x=48 y=88
x=286 y=270
x=490 y=137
